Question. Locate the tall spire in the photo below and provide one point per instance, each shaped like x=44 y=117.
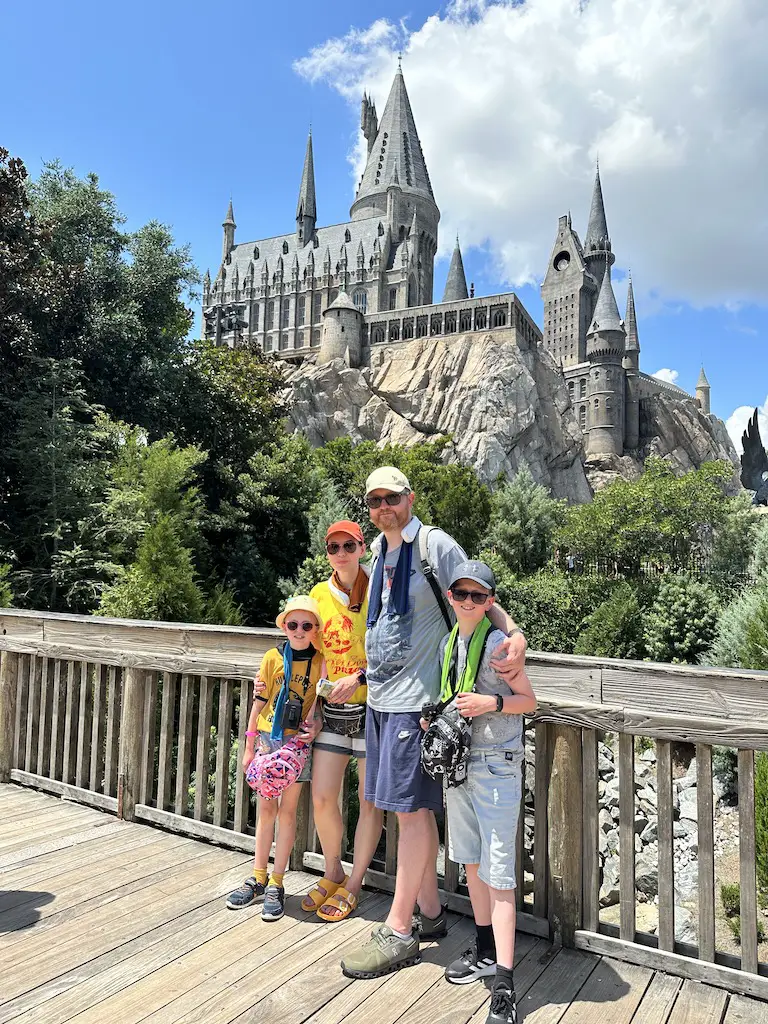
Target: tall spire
x=606 y=316
x=456 y=282
x=229 y=226
x=306 y=208
x=230 y=218
x=597 y=229
x=396 y=146
x=702 y=382
x=630 y=321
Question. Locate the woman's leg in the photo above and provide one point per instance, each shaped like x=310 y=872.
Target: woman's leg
x=367 y=833
x=327 y=777
x=503 y=919
x=286 y=826
x=265 y=833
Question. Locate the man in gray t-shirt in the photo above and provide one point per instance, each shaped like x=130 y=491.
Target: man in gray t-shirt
x=405 y=626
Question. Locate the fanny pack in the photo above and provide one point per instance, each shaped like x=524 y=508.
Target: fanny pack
x=270 y=774
x=344 y=719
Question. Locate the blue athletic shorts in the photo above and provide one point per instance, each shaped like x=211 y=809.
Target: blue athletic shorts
x=394 y=780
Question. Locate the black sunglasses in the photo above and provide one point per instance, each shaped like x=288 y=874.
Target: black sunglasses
x=333 y=547
x=390 y=499
x=476 y=595
x=306 y=626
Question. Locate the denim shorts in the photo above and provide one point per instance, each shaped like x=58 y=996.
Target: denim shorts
x=482 y=816
x=394 y=780
x=267 y=743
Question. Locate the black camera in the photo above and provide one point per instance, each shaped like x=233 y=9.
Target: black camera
x=292 y=714
x=429 y=711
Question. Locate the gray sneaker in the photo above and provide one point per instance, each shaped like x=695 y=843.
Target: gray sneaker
x=430 y=928
x=383 y=953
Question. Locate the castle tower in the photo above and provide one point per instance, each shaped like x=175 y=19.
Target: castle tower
x=456 y=282
x=702 y=392
x=631 y=364
x=597 y=244
x=342 y=332
x=569 y=294
x=605 y=351
x=306 y=208
x=229 y=233
x=395 y=158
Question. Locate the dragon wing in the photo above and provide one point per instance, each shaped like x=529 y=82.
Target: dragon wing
x=754 y=461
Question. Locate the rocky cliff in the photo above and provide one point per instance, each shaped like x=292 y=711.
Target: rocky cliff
x=502 y=404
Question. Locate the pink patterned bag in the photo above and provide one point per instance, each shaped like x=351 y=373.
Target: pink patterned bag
x=269 y=774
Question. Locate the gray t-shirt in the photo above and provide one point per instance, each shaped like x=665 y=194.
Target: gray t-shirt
x=402 y=672
x=493 y=730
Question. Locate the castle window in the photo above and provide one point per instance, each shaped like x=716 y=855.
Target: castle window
x=283 y=342
x=285 y=314
x=480 y=320
x=583 y=417
x=300 y=311
x=378 y=334
x=394 y=332
x=381 y=228
x=421 y=327
x=270 y=316
x=255 y=252
x=582 y=388
x=465 y=320
x=499 y=318
x=315 y=242
x=317 y=306
x=408 y=330
x=597 y=404
x=450 y=323
x=571 y=386
x=285 y=247
x=315 y=339
x=268 y=343
x=255 y=318
x=393 y=298
x=300 y=339
x=360 y=299
x=436 y=326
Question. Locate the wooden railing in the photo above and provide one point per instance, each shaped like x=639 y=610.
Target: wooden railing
x=147 y=721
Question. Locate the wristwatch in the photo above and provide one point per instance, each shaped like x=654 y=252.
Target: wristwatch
x=499 y=702
x=515 y=630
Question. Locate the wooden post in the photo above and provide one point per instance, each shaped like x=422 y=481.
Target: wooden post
x=9 y=663
x=565 y=834
x=131 y=743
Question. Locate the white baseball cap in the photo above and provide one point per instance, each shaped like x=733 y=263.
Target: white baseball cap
x=387 y=478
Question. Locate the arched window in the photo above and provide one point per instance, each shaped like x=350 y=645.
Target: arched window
x=583 y=388
x=255 y=252
x=255 y=319
x=465 y=320
x=317 y=307
x=360 y=299
x=597 y=404
x=300 y=339
x=422 y=326
x=268 y=343
x=270 y=315
x=393 y=298
x=286 y=313
x=408 y=330
x=300 y=310
x=571 y=387
x=411 y=292
x=315 y=339
x=480 y=320
x=583 y=417
x=378 y=334
x=450 y=323
x=436 y=326
x=285 y=248
x=499 y=318
x=381 y=228
x=347 y=236
x=394 y=331
x=283 y=342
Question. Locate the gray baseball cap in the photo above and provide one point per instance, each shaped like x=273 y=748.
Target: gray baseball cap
x=478 y=572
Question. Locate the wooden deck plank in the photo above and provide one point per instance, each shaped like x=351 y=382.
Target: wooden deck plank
x=698 y=1004
x=552 y=994
x=743 y=1010
x=610 y=995
x=88 y=831
x=658 y=1000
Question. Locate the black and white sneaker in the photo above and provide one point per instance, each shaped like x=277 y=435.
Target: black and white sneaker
x=249 y=892
x=503 y=1006
x=470 y=967
x=274 y=903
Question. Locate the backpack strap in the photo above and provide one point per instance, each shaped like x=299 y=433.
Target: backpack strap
x=443 y=704
x=429 y=574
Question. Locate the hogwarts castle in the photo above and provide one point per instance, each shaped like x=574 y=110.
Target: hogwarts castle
x=358 y=291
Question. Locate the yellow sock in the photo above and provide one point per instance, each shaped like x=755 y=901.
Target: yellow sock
x=260 y=874
x=276 y=879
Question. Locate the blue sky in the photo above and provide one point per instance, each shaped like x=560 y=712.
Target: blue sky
x=176 y=108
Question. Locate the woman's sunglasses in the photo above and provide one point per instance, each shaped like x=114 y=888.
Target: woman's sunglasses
x=390 y=499
x=476 y=596
x=333 y=547
x=307 y=627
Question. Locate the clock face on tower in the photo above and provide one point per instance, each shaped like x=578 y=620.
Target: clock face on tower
x=561 y=261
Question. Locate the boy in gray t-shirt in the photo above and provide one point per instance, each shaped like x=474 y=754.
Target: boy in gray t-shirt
x=483 y=811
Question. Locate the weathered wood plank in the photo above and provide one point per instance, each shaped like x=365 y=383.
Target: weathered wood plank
x=194 y=827
x=98 y=728
x=44 y=721
x=242 y=792
x=658 y=1000
x=69 y=756
x=205 y=712
x=627 y=836
x=550 y=996
x=58 y=698
x=746 y=1011
x=84 y=725
x=80 y=794
x=696 y=1003
x=223 y=748
x=666 y=861
x=590 y=854
x=543 y=747
x=151 y=682
x=610 y=995
x=112 y=737
x=9 y=665
x=706 y=861
x=565 y=834
x=131 y=743
x=20 y=719
x=165 y=747
x=747 y=860
x=184 y=749
x=33 y=712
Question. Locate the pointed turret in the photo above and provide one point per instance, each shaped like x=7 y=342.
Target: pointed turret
x=606 y=319
x=630 y=321
x=306 y=208
x=229 y=233
x=597 y=229
x=631 y=365
x=703 y=392
x=605 y=349
x=456 y=282
x=206 y=287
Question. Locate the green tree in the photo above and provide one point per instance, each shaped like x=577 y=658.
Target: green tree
x=758 y=563
x=735 y=538
x=6 y=594
x=680 y=625
x=615 y=628
x=524 y=520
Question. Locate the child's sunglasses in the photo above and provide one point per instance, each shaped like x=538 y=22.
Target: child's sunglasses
x=293 y=626
x=476 y=596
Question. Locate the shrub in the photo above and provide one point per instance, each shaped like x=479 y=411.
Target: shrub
x=524 y=519
x=724 y=769
x=761 y=822
x=615 y=628
x=681 y=623
x=741 y=637
x=758 y=565
x=6 y=594
x=730 y=894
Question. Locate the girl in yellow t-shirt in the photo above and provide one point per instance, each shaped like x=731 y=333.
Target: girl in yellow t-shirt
x=343 y=604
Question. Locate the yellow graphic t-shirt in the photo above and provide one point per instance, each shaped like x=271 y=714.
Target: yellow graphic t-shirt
x=343 y=638
x=271 y=674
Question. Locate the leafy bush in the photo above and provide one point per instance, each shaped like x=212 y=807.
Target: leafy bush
x=761 y=822
x=724 y=769
x=735 y=537
x=741 y=636
x=730 y=894
x=615 y=628
x=524 y=519
x=681 y=623
x=6 y=594
x=312 y=570
x=758 y=565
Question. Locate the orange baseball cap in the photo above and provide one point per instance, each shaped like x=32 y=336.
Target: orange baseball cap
x=346 y=526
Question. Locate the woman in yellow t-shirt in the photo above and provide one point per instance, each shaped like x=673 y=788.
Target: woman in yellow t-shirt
x=343 y=604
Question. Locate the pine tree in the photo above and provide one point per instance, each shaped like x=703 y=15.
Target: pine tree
x=524 y=520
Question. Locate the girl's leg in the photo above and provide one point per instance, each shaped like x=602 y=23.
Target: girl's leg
x=367 y=833
x=265 y=833
x=503 y=918
x=286 y=826
x=327 y=777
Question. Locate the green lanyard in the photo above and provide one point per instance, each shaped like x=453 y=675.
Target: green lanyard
x=448 y=686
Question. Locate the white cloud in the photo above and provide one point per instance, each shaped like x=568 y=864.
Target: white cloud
x=515 y=100
x=737 y=422
x=670 y=376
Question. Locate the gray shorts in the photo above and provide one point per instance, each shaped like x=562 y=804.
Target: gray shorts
x=344 y=745
x=482 y=816
x=265 y=740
